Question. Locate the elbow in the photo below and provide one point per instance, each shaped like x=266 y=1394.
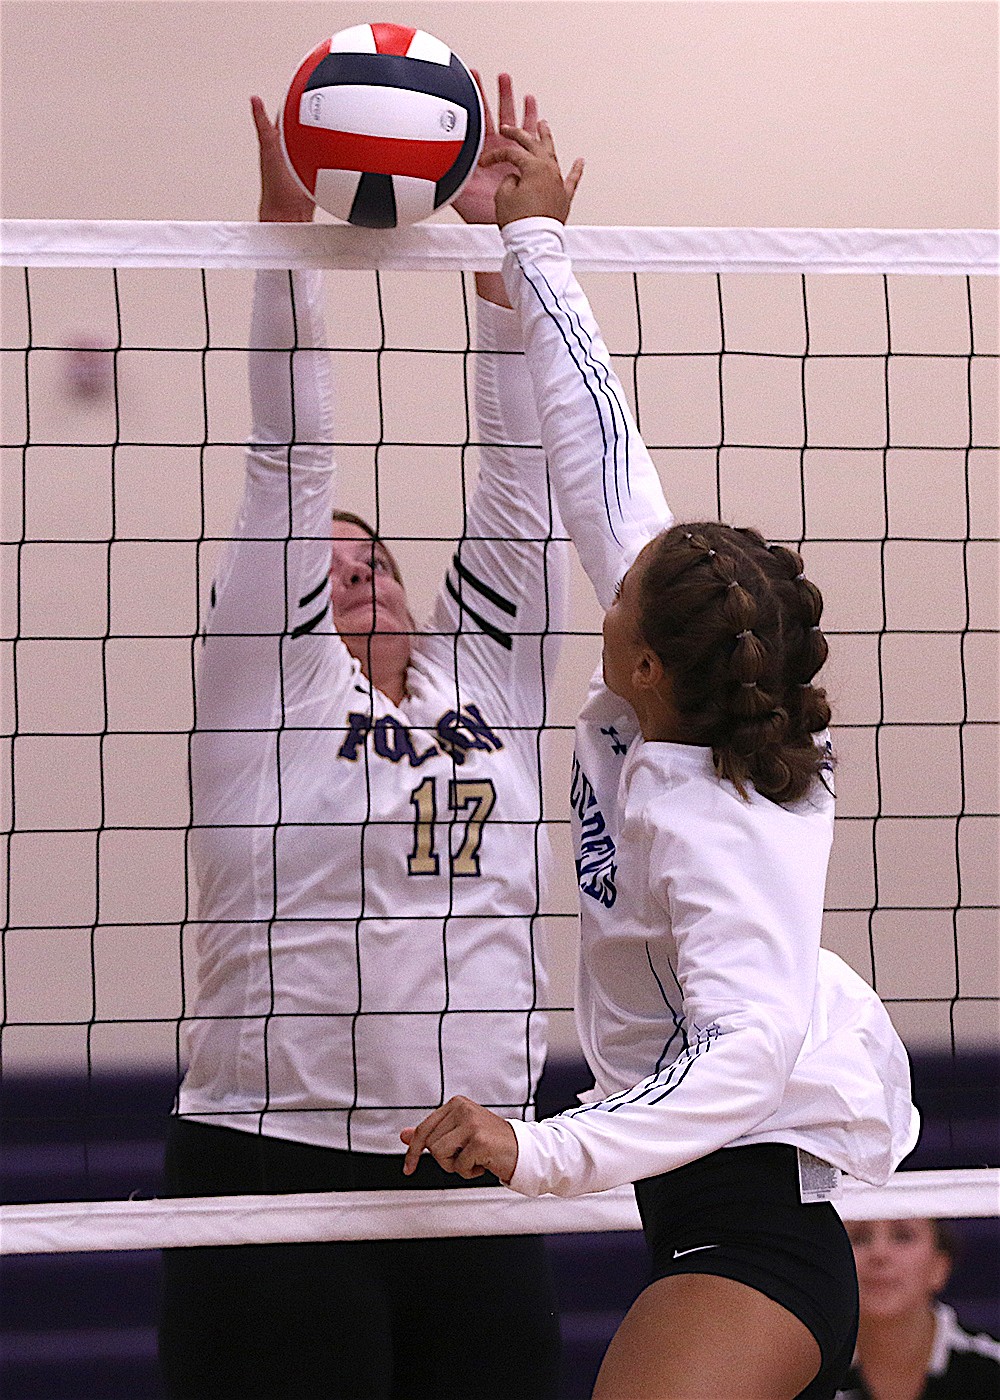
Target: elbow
x=763 y=1065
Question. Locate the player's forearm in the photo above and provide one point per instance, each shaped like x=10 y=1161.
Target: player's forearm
x=722 y=1087
x=490 y=287
x=511 y=540
x=291 y=387
x=273 y=574
x=606 y=487
x=272 y=578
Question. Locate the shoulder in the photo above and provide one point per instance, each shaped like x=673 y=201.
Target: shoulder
x=966 y=1363
x=676 y=788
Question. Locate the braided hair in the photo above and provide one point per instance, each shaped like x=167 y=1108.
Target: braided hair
x=735 y=623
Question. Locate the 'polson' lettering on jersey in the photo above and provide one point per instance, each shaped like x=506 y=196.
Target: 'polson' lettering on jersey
x=457 y=732
x=596 y=867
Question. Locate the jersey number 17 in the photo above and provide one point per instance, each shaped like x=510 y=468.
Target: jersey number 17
x=470 y=802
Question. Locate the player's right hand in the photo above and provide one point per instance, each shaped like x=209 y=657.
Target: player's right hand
x=536 y=187
x=476 y=203
x=465 y=1138
x=281 y=199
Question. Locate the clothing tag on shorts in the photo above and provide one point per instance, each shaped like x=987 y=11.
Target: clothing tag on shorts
x=818 y=1181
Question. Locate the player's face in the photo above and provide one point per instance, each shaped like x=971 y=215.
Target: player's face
x=623 y=641
x=900 y=1267
x=365 y=594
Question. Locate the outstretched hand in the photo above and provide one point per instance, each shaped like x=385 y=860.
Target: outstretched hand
x=465 y=1138
x=477 y=202
x=535 y=187
x=281 y=199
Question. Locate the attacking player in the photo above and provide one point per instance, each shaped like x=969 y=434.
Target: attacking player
x=738 y=1067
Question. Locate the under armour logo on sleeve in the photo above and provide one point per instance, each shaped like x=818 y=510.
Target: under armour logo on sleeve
x=616 y=744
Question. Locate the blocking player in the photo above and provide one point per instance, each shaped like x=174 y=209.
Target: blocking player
x=738 y=1067
x=370 y=857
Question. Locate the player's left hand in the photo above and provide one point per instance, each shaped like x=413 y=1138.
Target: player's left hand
x=535 y=187
x=477 y=202
x=465 y=1138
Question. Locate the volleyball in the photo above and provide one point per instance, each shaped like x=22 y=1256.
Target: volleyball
x=381 y=125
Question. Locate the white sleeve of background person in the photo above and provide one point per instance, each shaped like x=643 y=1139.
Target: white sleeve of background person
x=270 y=603
x=611 y=505
x=505 y=589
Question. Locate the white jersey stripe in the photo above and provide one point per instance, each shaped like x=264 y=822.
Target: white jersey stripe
x=315 y=592
x=677 y=1020
x=599 y=377
x=604 y=375
x=312 y=623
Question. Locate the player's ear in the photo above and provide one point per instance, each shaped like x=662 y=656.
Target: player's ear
x=647 y=670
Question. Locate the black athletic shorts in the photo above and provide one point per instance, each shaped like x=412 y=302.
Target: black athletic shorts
x=435 y=1319
x=737 y=1214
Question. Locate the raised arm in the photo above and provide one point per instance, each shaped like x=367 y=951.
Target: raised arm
x=270 y=599
x=504 y=592
x=606 y=486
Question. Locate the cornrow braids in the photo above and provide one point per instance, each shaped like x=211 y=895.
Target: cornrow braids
x=735 y=623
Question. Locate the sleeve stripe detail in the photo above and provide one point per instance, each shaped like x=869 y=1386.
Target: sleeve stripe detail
x=678 y=1029
x=504 y=638
x=701 y=1046
x=303 y=602
x=313 y=622
x=595 y=377
x=662 y=1085
x=490 y=594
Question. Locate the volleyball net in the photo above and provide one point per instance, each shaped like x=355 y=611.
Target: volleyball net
x=838 y=389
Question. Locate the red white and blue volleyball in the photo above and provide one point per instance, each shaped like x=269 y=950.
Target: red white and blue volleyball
x=382 y=125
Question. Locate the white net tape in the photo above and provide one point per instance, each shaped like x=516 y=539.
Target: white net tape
x=363 y=1215
x=442 y=248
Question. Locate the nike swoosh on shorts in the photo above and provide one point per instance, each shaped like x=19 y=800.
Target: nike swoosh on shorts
x=679 y=1253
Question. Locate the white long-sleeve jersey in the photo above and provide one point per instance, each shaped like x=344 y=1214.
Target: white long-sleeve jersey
x=370 y=874
x=705 y=1006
